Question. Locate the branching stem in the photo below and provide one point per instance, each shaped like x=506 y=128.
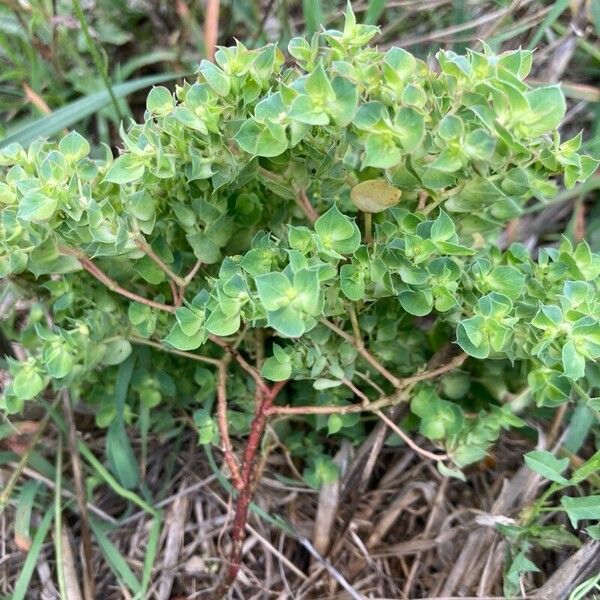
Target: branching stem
x=229 y=455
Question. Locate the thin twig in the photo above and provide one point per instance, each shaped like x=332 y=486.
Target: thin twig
x=241 y=361
x=110 y=283
x=229 y=455
x=88 y=580
x=211 y=27
x=407 y=439
x=188 y=278
x=329 y=410
x=199 y=357
x=307 y=208
x=397 y=383
x=146 y=248
x=454 y=363
x=365 y=399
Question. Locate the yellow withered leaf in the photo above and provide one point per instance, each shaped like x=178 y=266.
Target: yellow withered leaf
x=374 y=195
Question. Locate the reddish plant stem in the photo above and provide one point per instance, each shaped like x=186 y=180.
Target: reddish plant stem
x=93 y=270
x=244 y=364
x=265 y=397
x=230 y=459
x=146 y=248
x=307 y=208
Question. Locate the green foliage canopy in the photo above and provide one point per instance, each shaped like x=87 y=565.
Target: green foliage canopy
x=220 y=172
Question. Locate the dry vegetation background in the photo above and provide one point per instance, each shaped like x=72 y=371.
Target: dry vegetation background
x=392 y=527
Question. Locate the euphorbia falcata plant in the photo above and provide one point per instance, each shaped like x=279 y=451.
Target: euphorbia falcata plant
x=306 y=242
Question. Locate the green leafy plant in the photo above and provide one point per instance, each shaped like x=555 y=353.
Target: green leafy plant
x=307 y=244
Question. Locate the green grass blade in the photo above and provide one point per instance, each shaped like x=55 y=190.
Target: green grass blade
x=313 y=15
x=374 y=11
x=80 y=109
x=96 y=56
x=111 y=481
x=58 y=549
x=22 y=584
x=119 y=452
x=151 y=552
x=557 y=10
x=114 y=558
x=25 y=503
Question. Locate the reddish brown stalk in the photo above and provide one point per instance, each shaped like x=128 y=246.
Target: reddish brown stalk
x=244 y=364
x=307 y=208
x=397 y=383
x=211 y=27
x=177 y=293
x=146 y=248
x=192 y=272
x=229 y=455
x=111 y=284
x=265 y=397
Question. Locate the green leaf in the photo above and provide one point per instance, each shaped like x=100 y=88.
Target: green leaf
x=74 y=146
x=343 y=108
x=118 y=565
x=589 y=467
x=581 y=508
x=126 y=169
x=287 y=321
x=548 y=108
x=258 y=139
x=118 y=448
x=308 y=294
x=443 y=228
x=593 y=531
x=221 y=324
x=78 y=110
x=208 y=432
x=399 y=62
x=160 y=101
x=275 y=290
x=178 y=339
x=189 y=119
x=215 y=77
x=381 y=151
x=323 y=470
x=22 y=584
x=547 y=465
x=352 y=283
x=451 y=128
x=305 y=110
x=480 y=145
x=120 y=455
x=573 y=362
x=276 y=370
x=59 y=361
x=337 y=231
x=506 y=280
x=313 y=16
x=27 y=383
x=520 y=564
x=204 y=248
x=448 y=472
x=318 y=86
x=409 y=126
x=189 y=320
x=37 y=207
x=470 y=337
x=116 y=352
x=417 y=302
